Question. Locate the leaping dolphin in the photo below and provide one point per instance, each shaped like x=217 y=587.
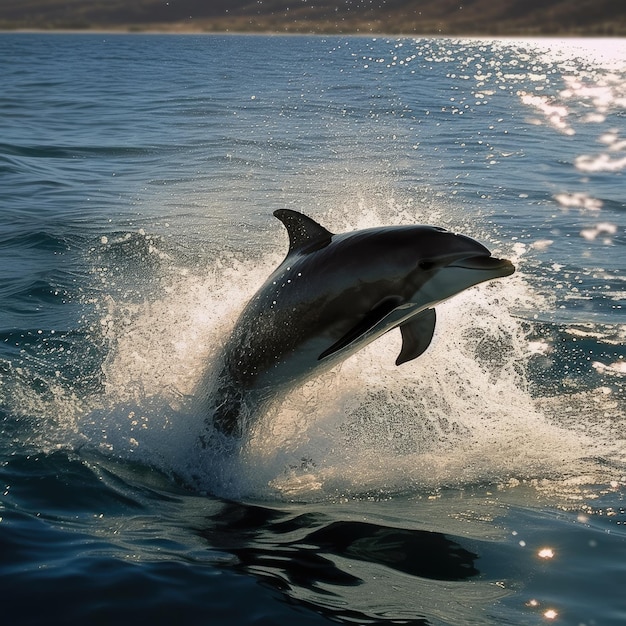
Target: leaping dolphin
x=331 y=296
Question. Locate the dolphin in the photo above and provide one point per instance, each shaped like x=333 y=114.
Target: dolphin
x=331 y=296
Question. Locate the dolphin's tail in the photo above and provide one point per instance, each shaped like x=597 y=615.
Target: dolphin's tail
x=227 y=417
x=228 y=414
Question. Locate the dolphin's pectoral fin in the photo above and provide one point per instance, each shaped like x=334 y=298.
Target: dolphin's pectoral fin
x=379 y=312
x=305 y=234
x=417 y=333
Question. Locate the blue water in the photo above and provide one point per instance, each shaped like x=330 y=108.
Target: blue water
x=483 y=483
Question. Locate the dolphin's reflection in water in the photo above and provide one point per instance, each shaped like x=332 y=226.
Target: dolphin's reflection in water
x=322 y=564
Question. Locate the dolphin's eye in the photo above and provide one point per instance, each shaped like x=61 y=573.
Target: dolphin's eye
x=426 y=265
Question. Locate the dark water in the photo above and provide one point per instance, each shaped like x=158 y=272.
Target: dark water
x=483 y=483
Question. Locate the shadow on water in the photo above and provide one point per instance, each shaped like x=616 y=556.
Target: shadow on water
x=313 y=561
x=116 y=542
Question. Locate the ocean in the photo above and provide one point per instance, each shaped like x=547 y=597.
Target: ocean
x=482 y=483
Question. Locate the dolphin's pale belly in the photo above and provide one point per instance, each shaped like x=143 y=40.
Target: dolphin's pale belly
x=239 y=398
x=297 y=366
x=308 y=360
x=236 y=400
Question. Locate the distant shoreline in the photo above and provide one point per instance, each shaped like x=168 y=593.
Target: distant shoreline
x=358 y=28
x=269 y=33
x=403 y=18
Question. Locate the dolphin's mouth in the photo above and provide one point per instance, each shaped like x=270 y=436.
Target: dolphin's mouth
x=503 y=267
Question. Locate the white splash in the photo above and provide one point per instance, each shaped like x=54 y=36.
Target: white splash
x=460 y=415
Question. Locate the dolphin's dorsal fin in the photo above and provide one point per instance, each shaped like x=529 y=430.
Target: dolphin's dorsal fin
x=417 y=333
x=305 y=234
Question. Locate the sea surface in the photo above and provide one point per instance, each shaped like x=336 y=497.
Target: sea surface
x=483 y=483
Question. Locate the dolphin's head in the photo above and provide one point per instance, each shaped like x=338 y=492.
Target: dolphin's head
x=398 y=274
x=446 y=263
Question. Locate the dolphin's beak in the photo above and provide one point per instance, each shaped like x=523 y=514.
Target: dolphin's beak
x=501 y=267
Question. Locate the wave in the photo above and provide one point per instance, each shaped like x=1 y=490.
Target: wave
x=47 y=151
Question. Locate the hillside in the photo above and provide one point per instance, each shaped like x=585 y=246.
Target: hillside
x=452 y=17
